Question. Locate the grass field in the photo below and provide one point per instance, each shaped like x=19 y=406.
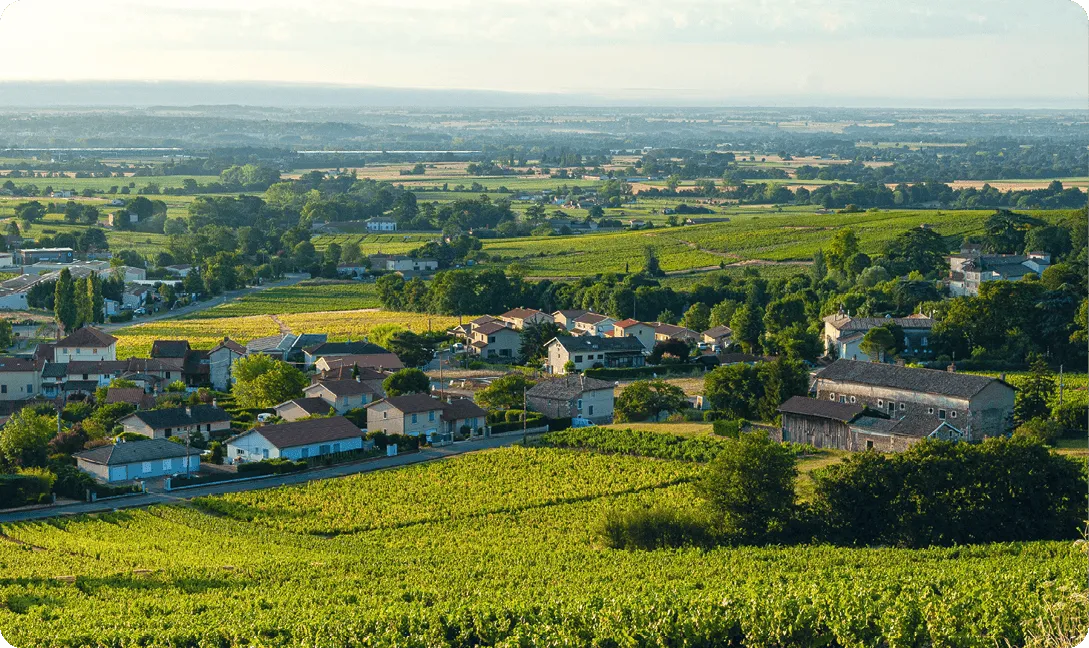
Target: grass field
x=104 y=184
x=502 y=548
x=300 y=298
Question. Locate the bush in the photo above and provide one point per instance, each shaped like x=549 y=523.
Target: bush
x=30 y=486
x=1074 y=419
x=270 y=467
x=1039 y=430
x=636 y=373
x=654 y=528
x=728 y=428
x=217 y=452
x=123 y=316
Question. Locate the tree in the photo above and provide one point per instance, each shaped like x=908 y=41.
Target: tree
x=30 y=212
x=533 y=338
x=920 y=248
x=505 y=392
x=748 y=327
x=413 y=349
x=843 y=246
x=7 y=335
x=651 y=266
x=1034 y=393
x=722 y=312
x=749 y=487
x=780 y=379
x=877 y=342
x=84 y=309
x=64 y=301
x=678 y=349
x=383 y=333
x=25 y=437
x=697 y=317
x=407 y=381
x=1039 y=430
x=97 y=299
x=644 y=399
x=731 y=388
x=263 y=381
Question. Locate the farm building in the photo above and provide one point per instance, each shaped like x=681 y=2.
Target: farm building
x=977 y=405
x=843 y=426
x=843 y=334
x=573 y=396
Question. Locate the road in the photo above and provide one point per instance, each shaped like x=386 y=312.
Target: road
x=160 y=497
x=196 y=307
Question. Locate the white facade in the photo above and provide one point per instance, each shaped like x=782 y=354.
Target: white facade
x=252 y=446
x=381 y=225
x=69 y=354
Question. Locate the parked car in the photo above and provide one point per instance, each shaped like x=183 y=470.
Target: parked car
x=579 y=422
x=140 y=311
x=264 y=417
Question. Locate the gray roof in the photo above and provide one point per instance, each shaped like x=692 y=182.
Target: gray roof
x=583 y=344
x=568 y=388
x=460 y=409
x=298 y=433
x=827 y=409
x=87 y=336
x=344 y=348
x=918 y=426
x=408 y=403
x=929 y=381
x=844 y=323
x=172 y=417
x=309 y=405
x=128 y=452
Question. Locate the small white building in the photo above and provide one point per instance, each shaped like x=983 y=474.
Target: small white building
x=381 y=225
x=298 y=440
x=145 y=459
x=86 y=343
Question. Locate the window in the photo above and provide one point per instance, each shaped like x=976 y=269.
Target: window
x=146 y=467
x=591 y=412
x=842 y=398
x=832 y=396
x=3 y=389
x=869 y=445
x=323 y=449
x=305 y=453
x=413 y=418
x=930 y=410
x=431 y=415
x=941 y=414
x=953 y=414
x=880 y=403
x=903 y=406
x=240 y=451
x=853 y=399
x=385 y=414
x=491 y=339
x=168 y=431
x=85 y=376
x=29 y=388
x=264 y=453
x=578 y=358
x=892 y=407
x=167 y=464
x=578 y=405
x=336 y=447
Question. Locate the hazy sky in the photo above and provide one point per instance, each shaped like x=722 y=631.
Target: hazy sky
x=999 y=52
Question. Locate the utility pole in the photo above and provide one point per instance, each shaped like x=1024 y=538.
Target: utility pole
x=1060 y=385
x=187 y=436
x=525 y=436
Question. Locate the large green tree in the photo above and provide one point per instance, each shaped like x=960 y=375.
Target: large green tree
x=533 y=338
x=1034 y=393
x=64 y=301
x=749 y=487
x=406 y=381
x=25 y=437
x=505 y=392
x=645 y=399
x=263 y=381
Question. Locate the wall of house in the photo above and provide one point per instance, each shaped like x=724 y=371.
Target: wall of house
x=882 y=442
x=161 y=467
x=318 y=449
x=99 y=471
x=251 y=447
x=991 y=412
x=818 y=431
x=219 y=368
x=878 y=398
x=397 y=423
x=502 y=345
x=136 y=426
x=67 y=354
x=643 y=333
x=19 y=385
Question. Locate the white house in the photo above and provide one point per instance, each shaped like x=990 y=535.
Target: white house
x=298 y=440
x=86 y=343
x=128 y=460
x=220 y=360
x=381 y=225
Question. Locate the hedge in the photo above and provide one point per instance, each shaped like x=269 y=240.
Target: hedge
x=645 y=372
x=271 y=467
x=25 y=489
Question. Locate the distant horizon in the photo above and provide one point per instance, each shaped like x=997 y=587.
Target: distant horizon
x=289 y=94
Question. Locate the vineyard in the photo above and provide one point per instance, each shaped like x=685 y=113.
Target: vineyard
x=301 y=298
x=357 y=324
x=375 y=243
x=493 y=549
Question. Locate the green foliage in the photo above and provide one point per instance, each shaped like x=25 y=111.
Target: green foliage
x=1034 y=393
x=654 y=528
x=262 y=381
x=749 y=488
x=24 y=437
x=877 y=342
x=644 y=399
x=29 y=486
x=504 y=393
x=942 y=493
x=1039 y=430
x=751 y=392
x=407 y=381
x=532 y=339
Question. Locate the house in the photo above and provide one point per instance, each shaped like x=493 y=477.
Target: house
x=593 y=324
x=465 y=331
x=896 y=435
x=381 y=225
x=635 y=329
x=30 y=256
x=401 y=263
x=136 y=296
x=411 y=414
x=7 y=259
x=821 y=423
x=144 y=459
x=495 y=342
x=720 y=336
x=462 y=416
x=132 y=395
x=566 y=318
x=352 y=270
x=590 y=352
x=220 y=360
x=179 y=270
x=296 y=440
x=518 y=318
x=117 y=217
x=193 y=365
x=977 y=405
x=344 y=395
x=86 y=343
x=422 y=414
x=664 y=332
x=178 y=421
x=573 y=396
x=970 y=267
x=339 y=349
x=61 y=193
x=300 y=408
x=20 y=378
x=377 y=361
x=843 y=334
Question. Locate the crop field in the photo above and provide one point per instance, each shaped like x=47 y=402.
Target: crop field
x=300 y=298
x=375 y=243
x=355 y=325
x=201 y=333
x=492 y=549
x=104 y=184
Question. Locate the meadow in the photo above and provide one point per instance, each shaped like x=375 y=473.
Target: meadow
x=103 y=184
x=493 y=549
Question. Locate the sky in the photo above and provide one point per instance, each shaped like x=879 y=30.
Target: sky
x=980 y=53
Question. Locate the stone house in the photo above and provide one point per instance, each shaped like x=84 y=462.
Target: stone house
x=589 y=352
x=573 y=396
x=843 y=334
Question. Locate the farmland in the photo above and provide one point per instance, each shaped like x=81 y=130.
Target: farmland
x=357 y=324
x=491 y=549
x=302 y=298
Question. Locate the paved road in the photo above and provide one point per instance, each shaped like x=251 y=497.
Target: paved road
x=288 y=280
x=150 y=498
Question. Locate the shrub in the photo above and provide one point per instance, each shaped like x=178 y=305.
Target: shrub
x=271 y=467
x=1074 y=419
x=217 y=452
x=1039 y=430
x=728 y=427
x=750 y=488
x=29 y=486
x=654 y=528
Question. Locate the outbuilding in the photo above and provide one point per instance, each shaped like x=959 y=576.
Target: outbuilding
x=297 y=440
x=144 y=459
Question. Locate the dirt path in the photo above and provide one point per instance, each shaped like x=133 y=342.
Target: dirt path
x=284 y=330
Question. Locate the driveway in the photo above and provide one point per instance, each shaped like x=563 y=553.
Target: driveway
x=196 y=307
x=342 y=470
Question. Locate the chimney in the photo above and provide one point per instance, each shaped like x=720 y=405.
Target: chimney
x=214 y=403
x=188 y=411
x=359 y=379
